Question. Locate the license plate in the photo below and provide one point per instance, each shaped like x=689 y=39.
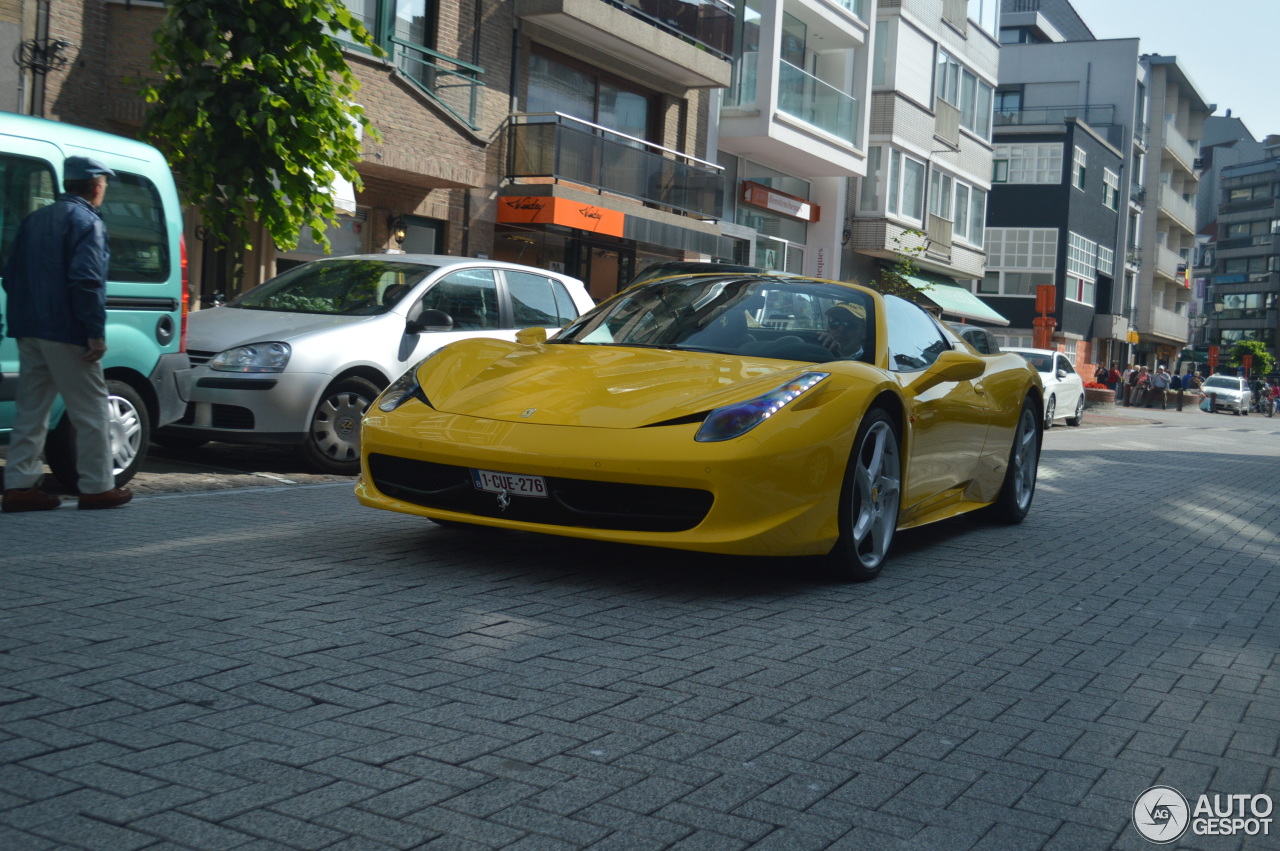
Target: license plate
x=509 y=483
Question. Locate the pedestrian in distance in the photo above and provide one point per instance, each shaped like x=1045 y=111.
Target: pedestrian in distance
x=56 y=281
x=1130 y=384
x=1113 y=380
x=1159 y=389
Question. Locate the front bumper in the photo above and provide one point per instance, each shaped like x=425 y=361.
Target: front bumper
x=773 y=492
x=270 y=409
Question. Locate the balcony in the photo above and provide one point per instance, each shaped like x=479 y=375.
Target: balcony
x=1137 y=194
x=1167 y=263
x=946 y=124
x=1177 y=145
x=956 y=13
x=802 y=95
x=686 y=42
x=1166 y=323
x=1095 y=116
x=453 y=84
x=779 y=114
x=562 y=148
x=1177 y=208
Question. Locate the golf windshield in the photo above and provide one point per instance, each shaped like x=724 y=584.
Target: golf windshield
x=337 y=287
x=785 y=318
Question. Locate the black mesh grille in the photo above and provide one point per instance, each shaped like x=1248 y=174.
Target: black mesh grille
x=572 y=502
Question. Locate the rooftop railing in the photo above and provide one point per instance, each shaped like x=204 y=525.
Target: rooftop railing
x=1095 y=116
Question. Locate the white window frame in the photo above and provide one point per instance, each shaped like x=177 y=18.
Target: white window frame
x=1079 y=167
x=967 y=92
x=1106 y=261
x=1110 y=189
x=898 y=162
x=1004 y=282
x=1016 y=252
x=1033 y=162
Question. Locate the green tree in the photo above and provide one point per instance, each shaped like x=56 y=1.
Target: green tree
x=1263 y=362
x=253 y=110
x=896 y=280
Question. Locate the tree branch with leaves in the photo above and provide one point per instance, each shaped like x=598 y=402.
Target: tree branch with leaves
x=253 y=110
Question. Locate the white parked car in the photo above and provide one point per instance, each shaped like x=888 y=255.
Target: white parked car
x=1228 y=393
x=1063 y=387
x=298 y=359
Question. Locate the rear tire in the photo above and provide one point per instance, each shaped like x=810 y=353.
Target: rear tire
x=869 y=501
x=129 y=427
x=1050 y=408
x=333 y=439
x=1019 y=486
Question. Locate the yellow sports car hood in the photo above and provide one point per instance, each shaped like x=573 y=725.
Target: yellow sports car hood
x=595 y=386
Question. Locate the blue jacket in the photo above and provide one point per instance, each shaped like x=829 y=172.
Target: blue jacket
x=56 y=278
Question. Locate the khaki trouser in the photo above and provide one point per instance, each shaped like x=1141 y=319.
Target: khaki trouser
x=47 y=369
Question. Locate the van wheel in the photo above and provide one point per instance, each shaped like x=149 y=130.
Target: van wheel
x=333 y=441
x=129 y=428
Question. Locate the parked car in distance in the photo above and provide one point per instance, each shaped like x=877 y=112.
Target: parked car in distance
x=296 y=360
x=1063 y=387
x=145 y=363
x=983 y=342
x=1228 y=393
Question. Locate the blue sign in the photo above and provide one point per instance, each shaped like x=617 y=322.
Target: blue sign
x=1230 y=279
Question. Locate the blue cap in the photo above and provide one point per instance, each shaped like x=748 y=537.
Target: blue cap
x=84 y=168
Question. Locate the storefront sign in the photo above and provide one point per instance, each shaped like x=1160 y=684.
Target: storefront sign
x=759 y=195
x=560 y=211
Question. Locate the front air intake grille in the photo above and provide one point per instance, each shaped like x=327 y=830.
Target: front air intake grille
x=572 y=502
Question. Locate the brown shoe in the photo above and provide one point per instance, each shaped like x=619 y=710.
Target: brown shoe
x=113 y=498
x=30 y=499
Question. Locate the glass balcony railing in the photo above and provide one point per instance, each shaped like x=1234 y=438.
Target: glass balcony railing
x=1095 y=116
x=559 y=146
x=705 y=22
x=453 y=84
x=804 y=96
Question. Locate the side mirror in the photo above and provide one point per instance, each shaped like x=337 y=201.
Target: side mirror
x=1062 y=373
x=420 y=320
x=531 y=336
x=957 y=366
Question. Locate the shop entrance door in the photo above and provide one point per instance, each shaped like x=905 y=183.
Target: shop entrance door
x=605 y=269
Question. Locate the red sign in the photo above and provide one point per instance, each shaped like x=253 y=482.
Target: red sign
x=1213 y=359
x=1246 y=361
x=759 y=195
x=560 y=211
x=1046 y=298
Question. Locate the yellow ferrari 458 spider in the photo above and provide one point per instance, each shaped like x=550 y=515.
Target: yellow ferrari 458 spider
x=731 y=413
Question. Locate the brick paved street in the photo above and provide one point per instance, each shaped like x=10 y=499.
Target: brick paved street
x=282 y=668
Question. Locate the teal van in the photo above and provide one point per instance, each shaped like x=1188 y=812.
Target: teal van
x=146 y=358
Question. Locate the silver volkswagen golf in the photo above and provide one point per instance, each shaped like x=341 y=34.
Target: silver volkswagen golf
x=296 y=360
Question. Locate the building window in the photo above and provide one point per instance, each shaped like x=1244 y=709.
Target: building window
x=1032 y=163
x=962 y=89
x=409 y=21
x=941 y=190
x=880 y=56
x=1018 y=259
x=906 y=186
x=1078 y=168
x=1082 y=256
x=1007 y=341
x=1110 y=189
x=1004 y=282
x=559 y=84
x=1106 y=260
x=964 y=205
x=870 y=199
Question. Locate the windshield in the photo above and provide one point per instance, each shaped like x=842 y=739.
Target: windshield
x=788 y=319
x=1041 y=363
x=1222 y=381
x=337 y=287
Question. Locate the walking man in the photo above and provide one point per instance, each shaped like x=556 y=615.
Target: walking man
x=56 y=281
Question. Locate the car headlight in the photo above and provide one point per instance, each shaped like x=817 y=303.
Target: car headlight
x=737 y=419
x=405 y=387
x=255 y=357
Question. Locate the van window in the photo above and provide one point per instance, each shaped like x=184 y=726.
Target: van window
x=26 y=185
x=136 y=230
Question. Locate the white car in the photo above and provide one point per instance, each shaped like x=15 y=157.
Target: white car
x=298 y=359
x=1228 y=393
x=1063 y=387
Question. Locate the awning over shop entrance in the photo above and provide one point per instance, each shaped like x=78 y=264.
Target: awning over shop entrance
x=954 y=300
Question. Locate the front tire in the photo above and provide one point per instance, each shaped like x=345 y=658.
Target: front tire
x=1019 y=486
x=869 y=501
x=1079 y=417
x=129 y=430
x=333 y=439
x=1050 y=408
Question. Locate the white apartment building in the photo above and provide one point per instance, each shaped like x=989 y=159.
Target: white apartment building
x=793 y=127
x=929 y=152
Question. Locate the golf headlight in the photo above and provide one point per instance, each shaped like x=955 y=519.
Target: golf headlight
x=255 y=357
x=736 y=420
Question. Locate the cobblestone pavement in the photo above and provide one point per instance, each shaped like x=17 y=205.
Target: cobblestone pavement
x=279 y=667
